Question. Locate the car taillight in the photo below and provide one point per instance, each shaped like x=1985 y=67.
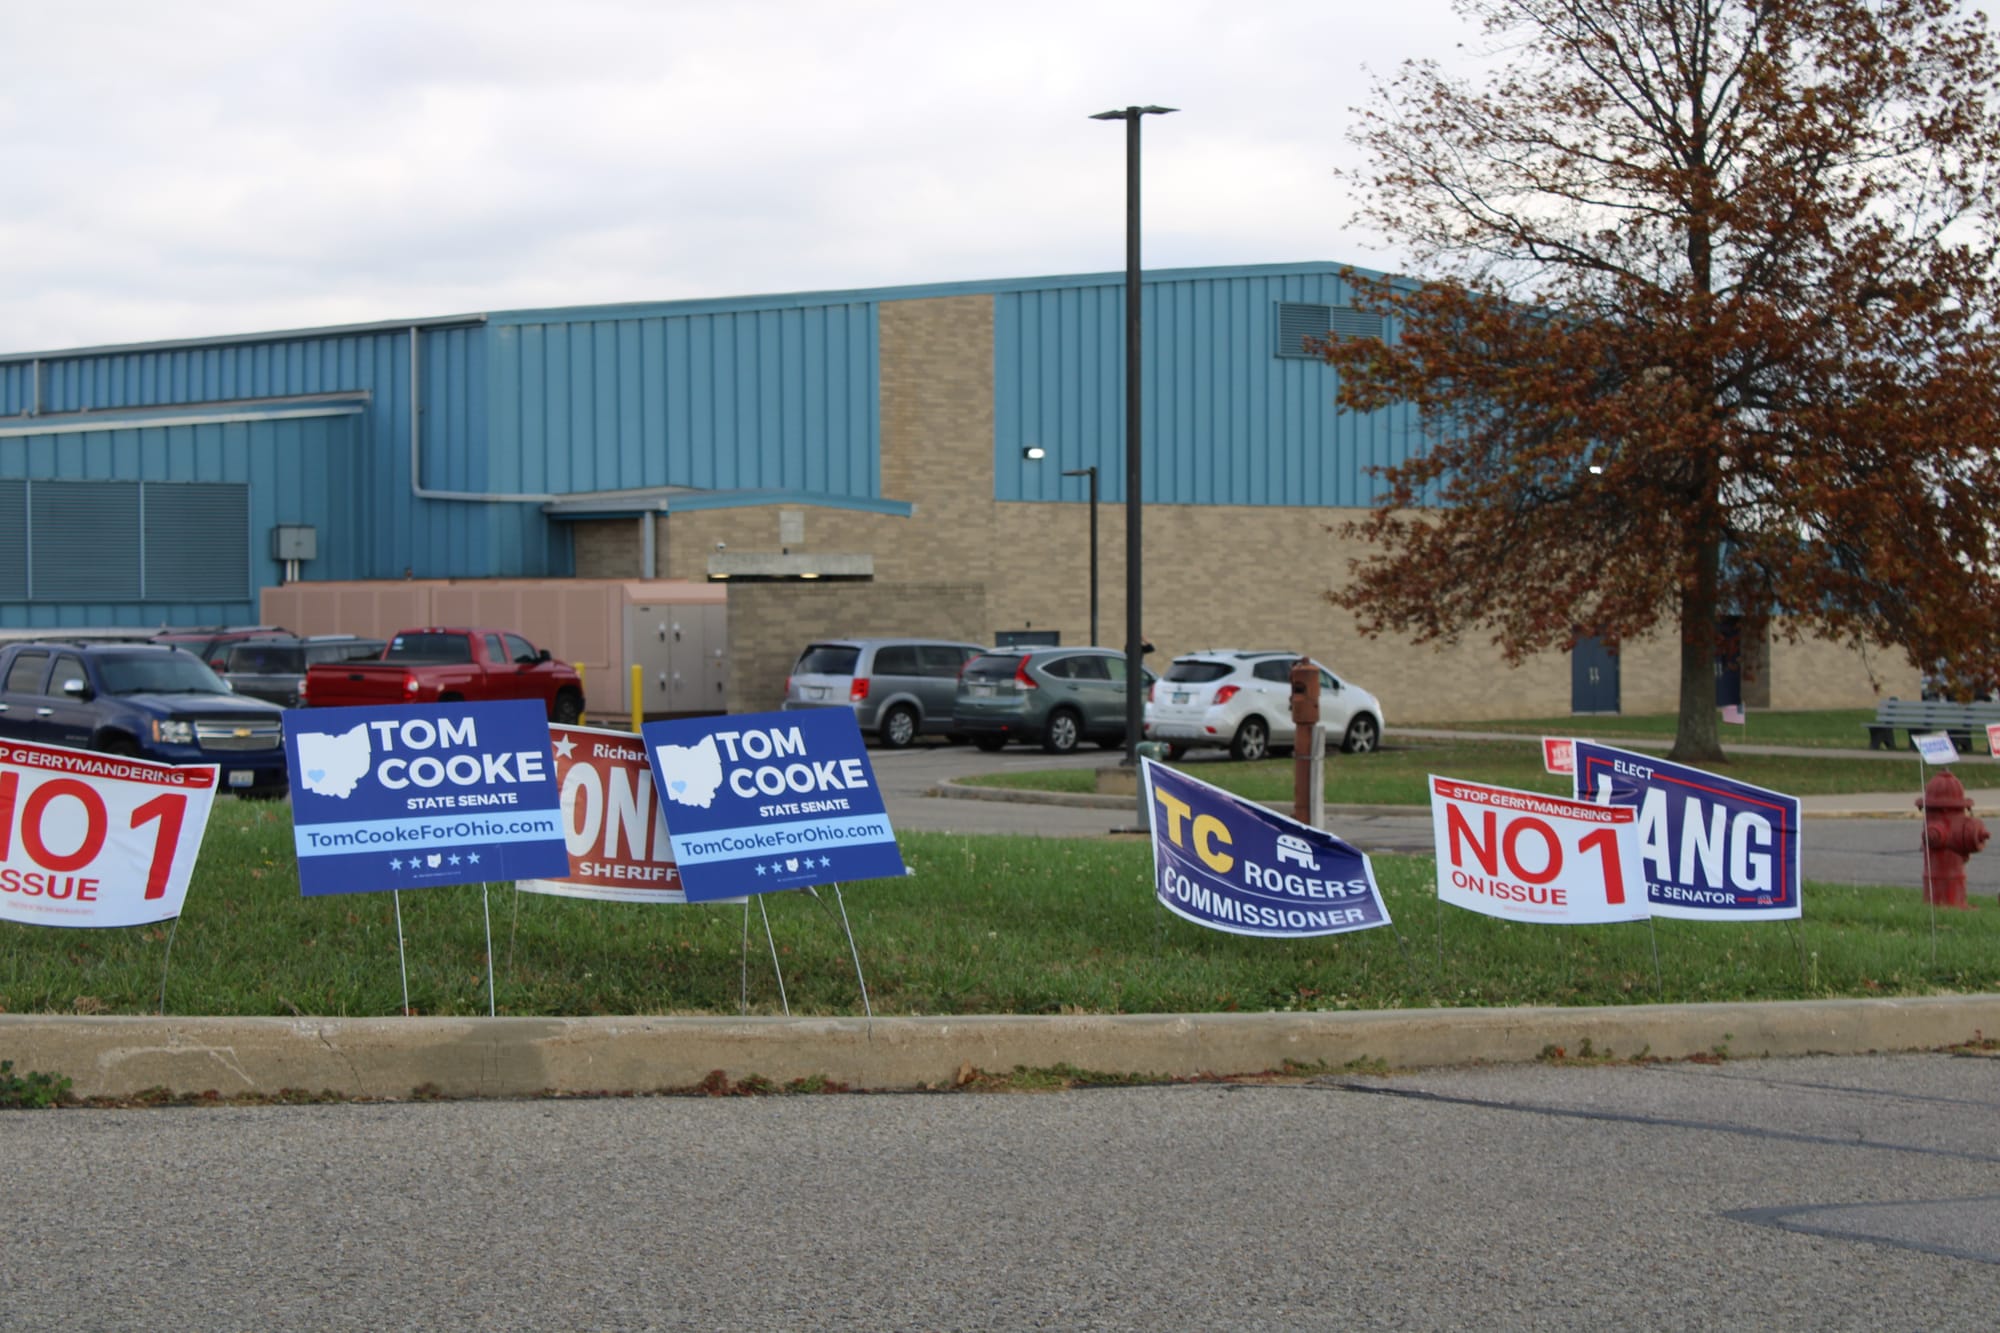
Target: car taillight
x=858 y=690
x=302 y=690
x=1021 y=676
x=788 y=687
x=409 y=682
x=1149 y=691
x=1226 y=693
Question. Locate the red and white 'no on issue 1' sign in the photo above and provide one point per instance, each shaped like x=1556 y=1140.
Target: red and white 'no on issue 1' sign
x=1528 y=857
x=97 y=840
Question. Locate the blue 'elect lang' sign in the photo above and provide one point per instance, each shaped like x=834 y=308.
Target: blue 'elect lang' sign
x=1230 y=864
x=758 y=802
x=1710 y=848
x=411 y=796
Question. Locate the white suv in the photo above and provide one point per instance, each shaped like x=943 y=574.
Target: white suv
x=1244 y=700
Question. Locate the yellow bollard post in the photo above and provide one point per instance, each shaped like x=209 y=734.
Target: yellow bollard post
x=638 y=700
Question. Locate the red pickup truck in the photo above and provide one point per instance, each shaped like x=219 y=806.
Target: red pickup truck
x=439 y=665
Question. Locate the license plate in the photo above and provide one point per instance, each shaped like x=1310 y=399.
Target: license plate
x=242 y=777
x=1180 y=696
x=815 y=691
x=982 y=691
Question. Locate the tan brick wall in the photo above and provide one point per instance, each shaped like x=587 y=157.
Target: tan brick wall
x=770 y=622
x=607 y=549
x=964 y=565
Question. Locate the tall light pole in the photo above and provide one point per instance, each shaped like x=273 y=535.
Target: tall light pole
x=1135 y=671
x=1090 y=472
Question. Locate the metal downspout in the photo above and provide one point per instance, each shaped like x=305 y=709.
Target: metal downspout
x=416 y=452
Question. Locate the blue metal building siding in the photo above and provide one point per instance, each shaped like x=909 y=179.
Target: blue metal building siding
x=390 y=529
x=729 y=399
x=297 y=471
x=1226 y=420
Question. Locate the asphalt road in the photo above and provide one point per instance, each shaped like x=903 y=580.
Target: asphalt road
x=1849 y=1193
x=1837 y=850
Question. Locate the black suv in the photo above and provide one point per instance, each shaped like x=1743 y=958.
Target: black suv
x=273 y=669
x=150 y=701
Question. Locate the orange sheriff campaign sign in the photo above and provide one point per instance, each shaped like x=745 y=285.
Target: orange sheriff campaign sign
x=612 y=822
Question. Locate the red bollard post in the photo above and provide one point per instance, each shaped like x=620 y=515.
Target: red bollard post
x=1951 y=834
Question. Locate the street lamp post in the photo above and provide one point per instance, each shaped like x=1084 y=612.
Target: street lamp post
x=1090 y=472
x=1134 y=633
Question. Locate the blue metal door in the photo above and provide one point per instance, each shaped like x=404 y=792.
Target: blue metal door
x=1593 y=678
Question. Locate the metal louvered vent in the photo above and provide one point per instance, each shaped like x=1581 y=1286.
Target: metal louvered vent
x=84 y=540
x=197 y=536
x=1297 y=322
x=124 y=541
x=13 y=540
x=1300 y=320
x=1351 y=323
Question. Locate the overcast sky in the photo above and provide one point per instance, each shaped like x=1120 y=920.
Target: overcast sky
x=184 y=169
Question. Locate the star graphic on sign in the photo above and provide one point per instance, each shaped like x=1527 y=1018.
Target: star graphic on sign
x=777 y=867
x=395 y=863
x=454 y=858
x=472 y=857
x=760 y=870
x=825 y=861
x=564 y=746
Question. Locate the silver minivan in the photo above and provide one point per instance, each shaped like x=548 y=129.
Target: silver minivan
x=899 y=689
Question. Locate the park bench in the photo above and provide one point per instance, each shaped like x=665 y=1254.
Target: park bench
x=1964 y=723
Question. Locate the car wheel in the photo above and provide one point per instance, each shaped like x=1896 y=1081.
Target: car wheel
x=1253 y=740
x=1176 y=753
x=118 y=744
x=1364 y=733
x=989 y=743
x=1064 y=732
x=899 y=728
x=568 y=708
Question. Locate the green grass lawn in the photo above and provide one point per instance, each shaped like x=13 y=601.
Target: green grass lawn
x=1399 y=773
x=984 y=925
x=1830 y=728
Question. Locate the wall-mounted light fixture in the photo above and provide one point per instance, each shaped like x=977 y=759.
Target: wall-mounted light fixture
x=1034 y=453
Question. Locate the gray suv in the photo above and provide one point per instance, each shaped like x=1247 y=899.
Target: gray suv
x=899 y=689
x=1057 y=697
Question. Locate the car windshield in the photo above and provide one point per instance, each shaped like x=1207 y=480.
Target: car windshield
x=827 y=659
x=1197 y=672
x=449 y=649
x=159 y=673
x=993 y=666
x=274 y=659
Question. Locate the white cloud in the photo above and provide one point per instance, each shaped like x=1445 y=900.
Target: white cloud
x=176 y=171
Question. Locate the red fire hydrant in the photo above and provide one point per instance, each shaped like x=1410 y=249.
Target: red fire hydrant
x=1950 y=835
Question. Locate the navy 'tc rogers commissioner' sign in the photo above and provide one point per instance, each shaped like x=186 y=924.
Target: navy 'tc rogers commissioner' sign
x=765 y=801
x=414 y=796
x=1232 y=865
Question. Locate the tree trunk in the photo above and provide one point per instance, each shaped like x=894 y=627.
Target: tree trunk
x=1697 y=737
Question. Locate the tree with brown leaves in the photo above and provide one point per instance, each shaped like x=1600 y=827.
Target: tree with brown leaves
x=1704 y=324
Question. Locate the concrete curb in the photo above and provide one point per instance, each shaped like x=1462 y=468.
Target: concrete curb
x=523 y=1057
